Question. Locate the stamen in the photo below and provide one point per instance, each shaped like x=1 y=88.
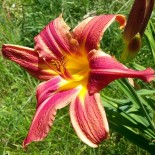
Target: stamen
x=57 y=65
x=51 y=66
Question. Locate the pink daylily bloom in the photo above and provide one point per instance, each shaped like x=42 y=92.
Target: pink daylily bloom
x=75 y=70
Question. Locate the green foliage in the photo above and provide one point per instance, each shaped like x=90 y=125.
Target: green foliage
x=20 y=21
x=133 y=117
x=150 y=35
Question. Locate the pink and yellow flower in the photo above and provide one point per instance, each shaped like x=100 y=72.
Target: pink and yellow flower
x=75 y=69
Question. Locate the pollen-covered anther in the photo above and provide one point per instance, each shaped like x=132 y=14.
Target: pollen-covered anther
x=74 y=42
x=71 y=40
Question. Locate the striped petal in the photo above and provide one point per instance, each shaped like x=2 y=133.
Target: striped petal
x=48 y=104
x=104 y=69
x=55 y=40
x=89 y=32
x=29 y=60
x=89 y=119
x=46 y=89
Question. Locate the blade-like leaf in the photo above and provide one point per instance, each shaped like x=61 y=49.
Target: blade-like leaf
x=150 y=35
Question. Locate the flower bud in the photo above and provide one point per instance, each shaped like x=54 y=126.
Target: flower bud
x=135 y=27
x=132 y=48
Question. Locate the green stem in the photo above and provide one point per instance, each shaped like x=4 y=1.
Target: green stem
x=140 y=103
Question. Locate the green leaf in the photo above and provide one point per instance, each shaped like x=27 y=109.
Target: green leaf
x=150 y=35
x=133 y=116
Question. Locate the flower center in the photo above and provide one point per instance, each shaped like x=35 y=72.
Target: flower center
x=78 y=67
x=70 y=67
x=58 y=66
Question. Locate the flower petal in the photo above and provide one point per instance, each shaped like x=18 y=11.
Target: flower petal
x=55 y=40
x=29 y=60
x=47 y=108
x=104 y=69
x=89 y=119
x=89 y=32
x=46 y=89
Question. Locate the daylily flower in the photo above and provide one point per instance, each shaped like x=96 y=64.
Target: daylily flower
x=76 y=69
x=135 y=27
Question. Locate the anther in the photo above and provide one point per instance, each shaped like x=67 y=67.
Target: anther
x=57 y=65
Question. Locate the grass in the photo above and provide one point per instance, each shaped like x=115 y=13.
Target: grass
x=20 y=21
